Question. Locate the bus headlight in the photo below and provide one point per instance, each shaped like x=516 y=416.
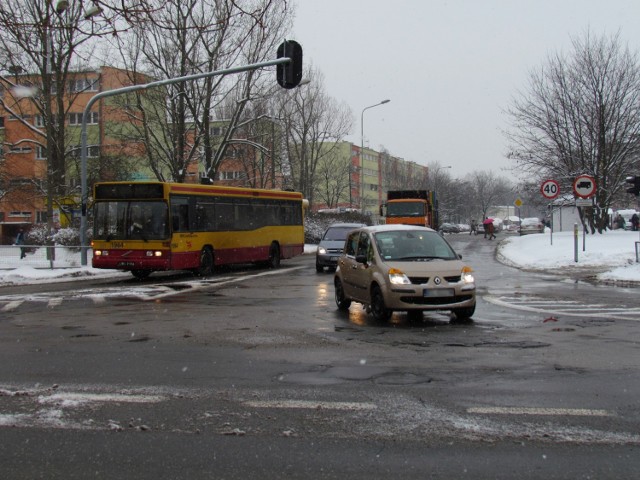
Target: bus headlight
x=153 y=253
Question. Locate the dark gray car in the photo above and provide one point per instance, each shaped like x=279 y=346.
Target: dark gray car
x=332 y=243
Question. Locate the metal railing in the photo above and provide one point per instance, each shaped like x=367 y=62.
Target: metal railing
x=40 y=256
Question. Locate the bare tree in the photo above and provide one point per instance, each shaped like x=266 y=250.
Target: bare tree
x=332 y=179
x=398 y=174
x=186 y=37
x=486 y=190
x=43 y=48
x=314 y=125
x=581 y=115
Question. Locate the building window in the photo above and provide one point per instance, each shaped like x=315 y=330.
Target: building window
x=215 y=131
x=41 y=217
x=83 y=85
x=93 y=151
x=26 y=118
x=76 y=118
x=20 y=214
x=20 y=149
x=232 y=175
x=41 y=153
x=38 y=121
x=1 y=122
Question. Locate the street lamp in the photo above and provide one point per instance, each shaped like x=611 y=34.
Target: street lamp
x=361 y=151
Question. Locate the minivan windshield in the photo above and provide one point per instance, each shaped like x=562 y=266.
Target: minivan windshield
x=410 y=245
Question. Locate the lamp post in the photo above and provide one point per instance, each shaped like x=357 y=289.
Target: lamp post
x=362 y=199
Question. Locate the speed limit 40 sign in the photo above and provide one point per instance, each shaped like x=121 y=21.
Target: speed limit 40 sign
x=550 y=189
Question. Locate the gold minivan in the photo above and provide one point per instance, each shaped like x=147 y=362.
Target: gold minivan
x=391 y=268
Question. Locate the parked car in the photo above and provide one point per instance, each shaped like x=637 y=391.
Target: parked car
x=332 y=243
x=403 y=268
x=449 y=228
x=531 y=225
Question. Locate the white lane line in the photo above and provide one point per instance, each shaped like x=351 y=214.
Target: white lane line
x=608 y=312
x=73 y=398
x=309 y=404
x=576 y=412
x=197 y=285
x=12 y=305
x=54 y=302
x=97 y=299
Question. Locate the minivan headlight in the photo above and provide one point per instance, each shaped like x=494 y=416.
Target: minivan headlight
x=397 y=277
x=322 y=250
x=467 y=276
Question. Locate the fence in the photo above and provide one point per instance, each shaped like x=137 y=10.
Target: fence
x=38 y=256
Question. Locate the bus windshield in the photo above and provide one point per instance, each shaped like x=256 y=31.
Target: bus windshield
x=405 y=209
x=126 y=220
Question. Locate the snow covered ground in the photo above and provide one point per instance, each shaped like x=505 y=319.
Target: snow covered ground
x=613 y=253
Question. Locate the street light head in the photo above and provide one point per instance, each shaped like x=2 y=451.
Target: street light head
x=385 y=101
x=92 y=11
x=61 y=6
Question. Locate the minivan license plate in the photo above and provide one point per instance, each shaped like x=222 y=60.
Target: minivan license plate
x=438 y=292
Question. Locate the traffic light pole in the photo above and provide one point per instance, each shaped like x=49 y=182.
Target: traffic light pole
x=134 y=88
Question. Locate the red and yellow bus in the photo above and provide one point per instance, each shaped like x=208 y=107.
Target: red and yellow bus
x=149 y=226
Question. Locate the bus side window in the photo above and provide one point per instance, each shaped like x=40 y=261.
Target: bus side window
x=184 y=217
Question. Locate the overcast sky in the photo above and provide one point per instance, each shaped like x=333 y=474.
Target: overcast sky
x=450 y=68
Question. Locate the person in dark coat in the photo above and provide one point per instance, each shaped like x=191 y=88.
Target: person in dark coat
x=634 y=222
x=20 y=241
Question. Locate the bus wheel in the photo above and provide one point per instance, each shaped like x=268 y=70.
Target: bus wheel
x=141 y=274
x=274 y=256
x=206 y=263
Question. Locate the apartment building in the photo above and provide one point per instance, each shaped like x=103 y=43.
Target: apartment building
x=370 y=174
x=24 y=164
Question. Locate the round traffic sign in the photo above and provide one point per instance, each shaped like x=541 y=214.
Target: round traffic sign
x=550 y=189
x=584 y=186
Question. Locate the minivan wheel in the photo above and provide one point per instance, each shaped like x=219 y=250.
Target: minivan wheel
x=342 y=302
x=463 y=314
x=378 y=309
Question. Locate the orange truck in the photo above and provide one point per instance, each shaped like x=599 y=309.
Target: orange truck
x=411 y=207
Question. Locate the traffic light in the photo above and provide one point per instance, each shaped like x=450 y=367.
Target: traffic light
x=633 y=185
x=289 y=74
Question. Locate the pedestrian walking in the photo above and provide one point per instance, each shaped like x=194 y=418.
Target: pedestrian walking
x=488 y=228
x=491 y=230
x=20 y=241
x=474 y=227
x=634 y=222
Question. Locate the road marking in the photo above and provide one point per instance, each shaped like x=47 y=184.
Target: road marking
x=566 y=308
x=54 y=302
x=12 y=305
x=144 y=293
x=74 y=399
x=575 y=412
x=310 y=404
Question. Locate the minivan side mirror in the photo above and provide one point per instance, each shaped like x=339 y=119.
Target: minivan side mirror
x=361 y=258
